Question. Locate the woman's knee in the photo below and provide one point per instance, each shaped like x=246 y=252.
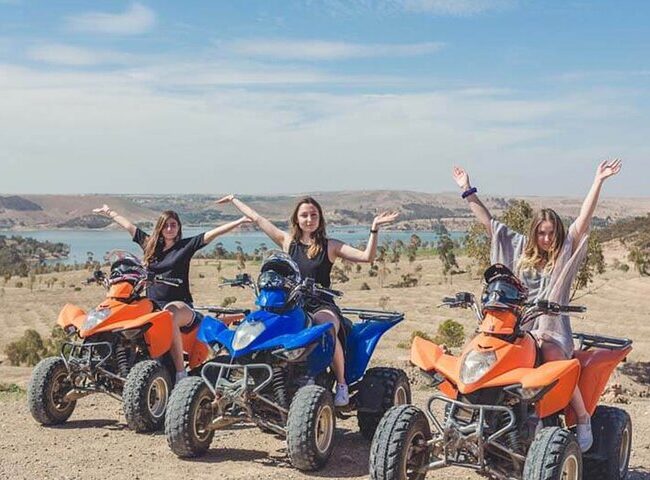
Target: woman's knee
x=552 y=352
x=182 y=313
x=324 y=316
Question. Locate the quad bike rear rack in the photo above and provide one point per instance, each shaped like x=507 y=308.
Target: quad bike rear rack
x=586 y=341
x=457 y=442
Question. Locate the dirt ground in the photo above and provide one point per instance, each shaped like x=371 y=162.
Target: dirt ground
x=95 y=444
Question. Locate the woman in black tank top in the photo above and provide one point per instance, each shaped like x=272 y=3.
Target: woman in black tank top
x=308 y=245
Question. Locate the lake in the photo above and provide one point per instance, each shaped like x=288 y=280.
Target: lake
x=100 y=242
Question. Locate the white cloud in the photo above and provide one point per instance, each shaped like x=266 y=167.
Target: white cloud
x=456 y=7
x=136 y=20
x=60 y=54
x=323 y=50
x=212 y=139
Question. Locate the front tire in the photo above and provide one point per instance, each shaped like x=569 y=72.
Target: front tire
x=395 y=389
x=188 y=415
x=553 y=455
x=47 y=388
x=310 y=428
x=399 y=448
x=145 y=396
x=612 y=430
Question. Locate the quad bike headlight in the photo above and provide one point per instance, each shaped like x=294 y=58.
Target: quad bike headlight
x=247 y=332
x=95 y=317
x=476 y=364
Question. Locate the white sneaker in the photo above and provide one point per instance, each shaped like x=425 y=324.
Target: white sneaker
x=585 y=436
x=342 y=398
x=180 y=375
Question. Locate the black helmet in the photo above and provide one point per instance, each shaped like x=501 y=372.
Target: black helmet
x=503 y=290
x=278 y=270
x=126 y=268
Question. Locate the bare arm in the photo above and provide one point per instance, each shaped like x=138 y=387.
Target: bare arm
x=475 y=205
x=223 y=229
x=280 y=237
x=604 y=171
x=347 y=252
x=123 y=222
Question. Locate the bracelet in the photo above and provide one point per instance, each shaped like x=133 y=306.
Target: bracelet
x=469 y=192
x=374 y=231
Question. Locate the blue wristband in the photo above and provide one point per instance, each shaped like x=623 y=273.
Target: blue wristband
x=469 y=192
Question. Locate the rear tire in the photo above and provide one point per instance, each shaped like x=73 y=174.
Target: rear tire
x=47 y=387
x=612 y=429
x=145 y=396
x=553 y=455
x=188 y=414
x=310 y=428
x=396 y=391
x=398 y=450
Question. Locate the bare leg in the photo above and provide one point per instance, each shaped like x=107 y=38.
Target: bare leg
x=551 y=352
x=182 y=316
x=338 y=362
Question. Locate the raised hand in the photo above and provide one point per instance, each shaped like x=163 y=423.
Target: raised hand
x=607 y=169
x=460 y=177
x=384 y=218
x=226 y=199
x=103 y=210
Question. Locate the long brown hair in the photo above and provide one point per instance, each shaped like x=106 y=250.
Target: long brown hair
x=319 y=235
x=156 y=242
x=533 y=257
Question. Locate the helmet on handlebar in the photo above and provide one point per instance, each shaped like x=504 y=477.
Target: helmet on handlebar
x=127 y=269
x=279 y=265
x=503 y=290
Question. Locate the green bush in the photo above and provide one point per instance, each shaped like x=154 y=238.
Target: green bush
x=421 y=334
x=31 y=348
x=226 y=302
x=450 y=333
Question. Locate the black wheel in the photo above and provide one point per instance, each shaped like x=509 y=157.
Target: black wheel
x=47 y=388
x=393 y=386
x=310 y=428
x=145 y=396
x=188 y=415
x=399 y=448
x=612 y=429
x=553 y=455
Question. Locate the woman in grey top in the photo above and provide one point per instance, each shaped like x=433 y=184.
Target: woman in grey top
x=547 y=261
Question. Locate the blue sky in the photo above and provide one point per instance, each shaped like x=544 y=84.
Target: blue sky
x=313 y=95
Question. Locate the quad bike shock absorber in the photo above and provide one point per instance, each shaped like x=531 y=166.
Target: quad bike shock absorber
x=279 y=385
x=122 y=360
x=512 y=438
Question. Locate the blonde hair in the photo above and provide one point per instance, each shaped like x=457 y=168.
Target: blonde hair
x=319 y=236
x=533 y=258
x=156 y=242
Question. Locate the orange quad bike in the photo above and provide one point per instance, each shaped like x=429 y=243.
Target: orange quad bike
x=506 y=414
x=122 y=348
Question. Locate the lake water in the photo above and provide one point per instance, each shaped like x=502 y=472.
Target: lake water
x=100 y=242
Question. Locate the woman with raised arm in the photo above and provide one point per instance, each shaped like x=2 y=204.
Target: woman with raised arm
x=167 y=253
x=315 y=253
x=547 y=261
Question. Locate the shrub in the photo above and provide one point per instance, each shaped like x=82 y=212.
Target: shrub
x=365 y=286
x=19 y=285
x=226 y=302
x=421 y=334
x=450 y=333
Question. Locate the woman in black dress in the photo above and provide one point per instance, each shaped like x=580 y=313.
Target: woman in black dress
x=315 y=253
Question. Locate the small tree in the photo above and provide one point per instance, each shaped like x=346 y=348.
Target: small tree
x=446 y=254
x=594 y=264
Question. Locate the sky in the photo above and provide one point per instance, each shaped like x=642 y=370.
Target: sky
x=263 y=97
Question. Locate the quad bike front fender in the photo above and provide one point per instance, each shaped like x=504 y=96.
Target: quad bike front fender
x=71 y=315
x=431 y=357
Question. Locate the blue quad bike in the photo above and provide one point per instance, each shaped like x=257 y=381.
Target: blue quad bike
x=273 y=370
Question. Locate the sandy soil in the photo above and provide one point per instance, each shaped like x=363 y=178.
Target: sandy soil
x=95 y=443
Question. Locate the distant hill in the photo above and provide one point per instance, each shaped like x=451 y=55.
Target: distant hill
x=419 y=210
